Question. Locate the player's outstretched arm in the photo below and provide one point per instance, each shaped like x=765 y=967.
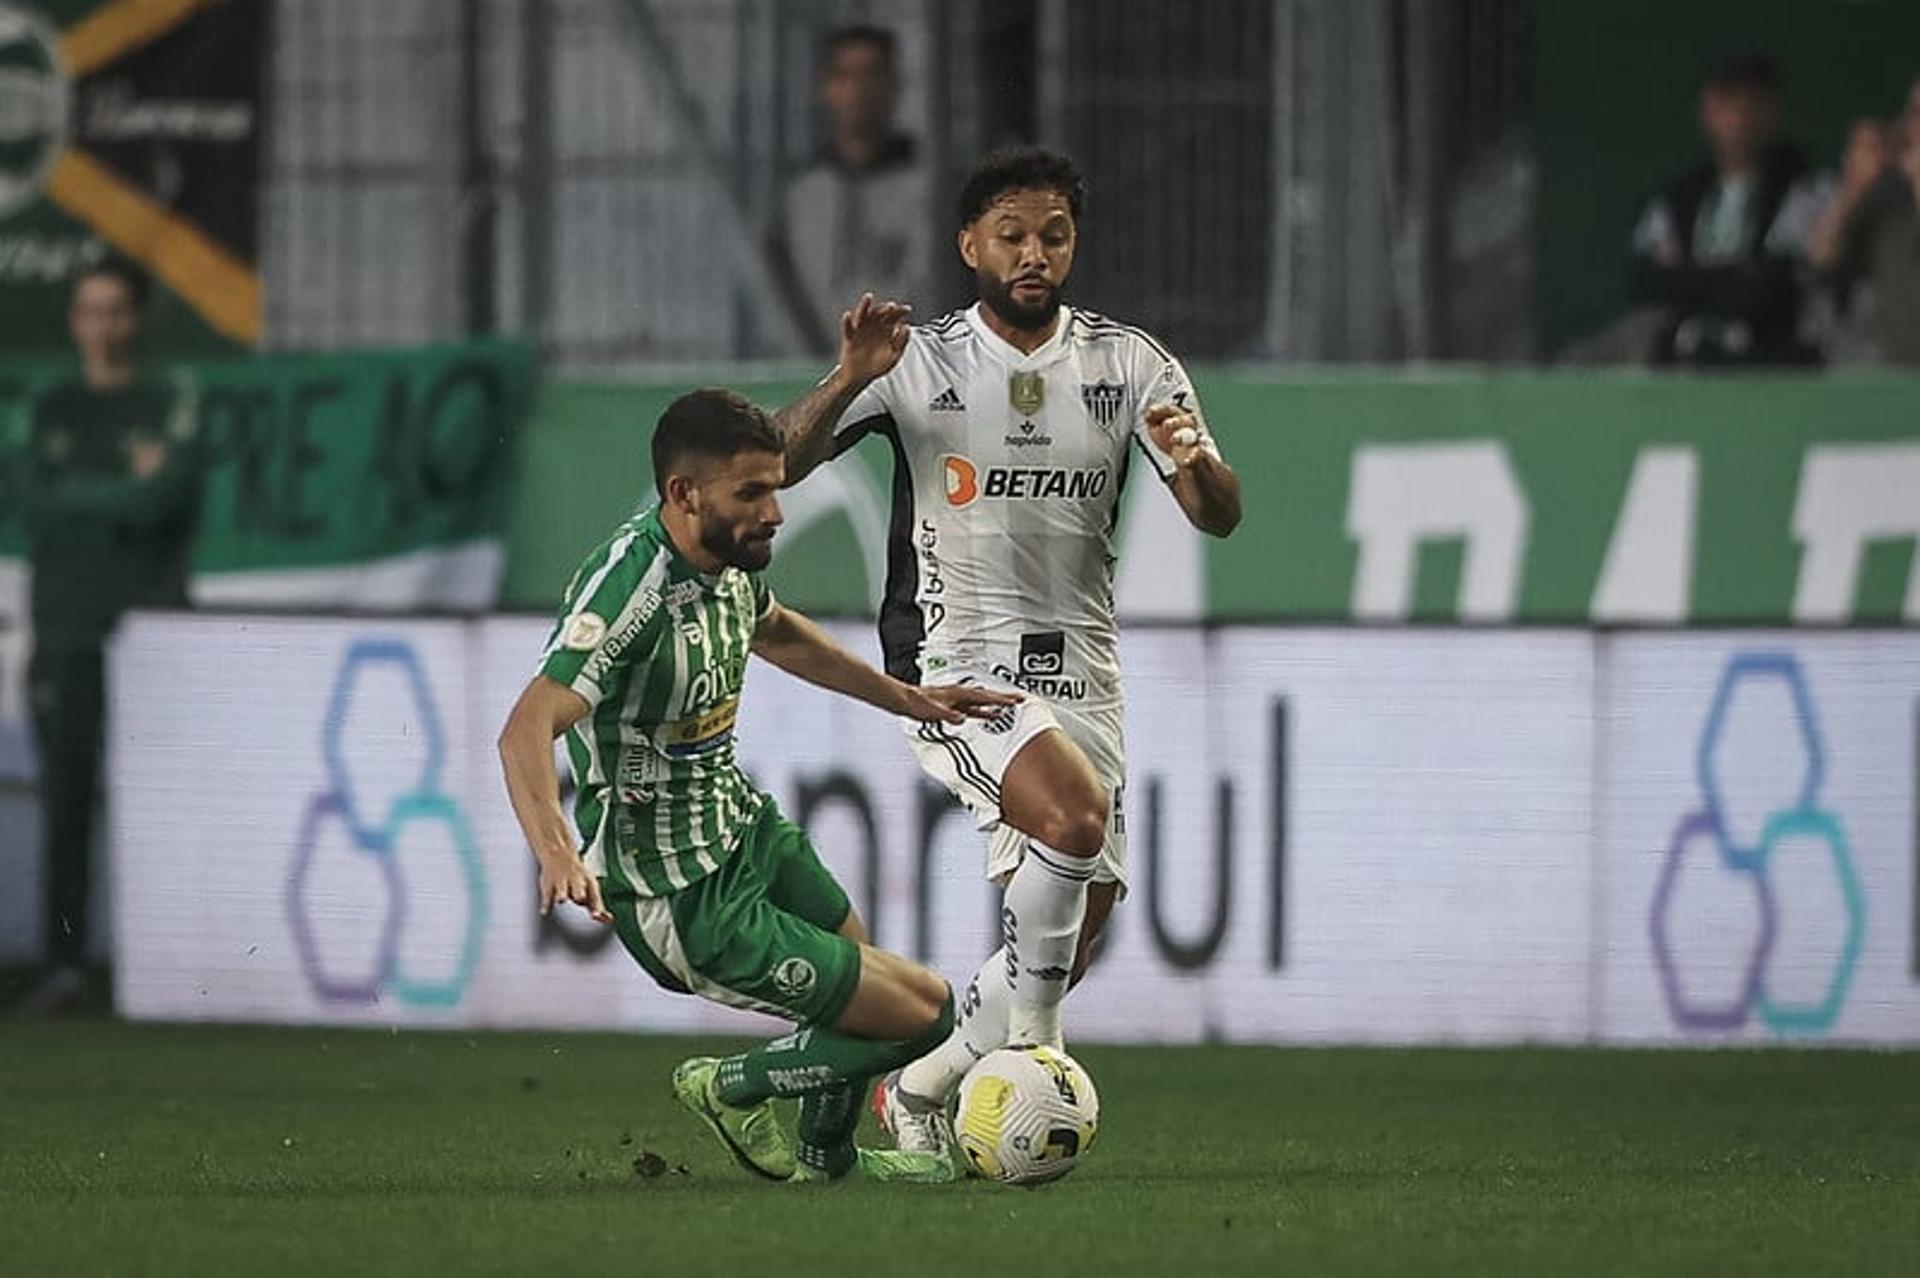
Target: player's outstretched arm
x=805 y=651
x=872 y=336
x=544 y=711
x=1205 y=486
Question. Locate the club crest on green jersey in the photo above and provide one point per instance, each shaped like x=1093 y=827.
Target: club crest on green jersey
x=794 y=976
x=584 y=632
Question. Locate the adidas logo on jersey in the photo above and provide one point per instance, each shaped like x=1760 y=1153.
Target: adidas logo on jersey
x=947 y=401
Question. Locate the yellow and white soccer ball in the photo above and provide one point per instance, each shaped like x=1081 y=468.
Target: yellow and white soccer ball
x=1026 y=1116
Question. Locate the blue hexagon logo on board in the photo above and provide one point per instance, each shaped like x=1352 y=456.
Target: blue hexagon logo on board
x=1761 y=765
x=382 y=840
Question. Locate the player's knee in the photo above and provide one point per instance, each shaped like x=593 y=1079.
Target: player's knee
x=1080 y=830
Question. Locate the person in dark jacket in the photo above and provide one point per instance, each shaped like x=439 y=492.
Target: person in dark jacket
x=1722 y=250
x=112 y=483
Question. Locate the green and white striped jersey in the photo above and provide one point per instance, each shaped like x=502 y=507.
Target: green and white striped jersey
x=659 y=650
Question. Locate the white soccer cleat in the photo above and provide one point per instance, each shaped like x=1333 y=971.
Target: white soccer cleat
x=918 y=1125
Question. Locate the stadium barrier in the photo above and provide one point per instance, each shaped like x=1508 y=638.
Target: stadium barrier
x=1458 y=496
x=1337 y=835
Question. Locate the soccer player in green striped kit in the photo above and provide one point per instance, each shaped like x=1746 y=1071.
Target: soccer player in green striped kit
x=710 y=888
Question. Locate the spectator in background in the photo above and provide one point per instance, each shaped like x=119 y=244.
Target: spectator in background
x=1722 y=250
x=112 y=490
x=1867 y=243
x=861 y=212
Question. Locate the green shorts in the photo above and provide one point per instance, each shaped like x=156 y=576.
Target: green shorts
x=758 y=933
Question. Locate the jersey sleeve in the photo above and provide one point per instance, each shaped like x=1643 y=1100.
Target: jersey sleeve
x=763 y=599
x=1159 y=378
x=610 y=622
x=870 y=409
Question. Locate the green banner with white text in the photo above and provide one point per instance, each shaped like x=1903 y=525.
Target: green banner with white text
x=374 y=481
x=324 y=468
x=1549 y=498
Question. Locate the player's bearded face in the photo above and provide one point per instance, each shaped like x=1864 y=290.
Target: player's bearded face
x=1021 y=251
x=739 y=511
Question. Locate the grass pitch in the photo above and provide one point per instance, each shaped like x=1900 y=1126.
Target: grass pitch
x=196 y=1150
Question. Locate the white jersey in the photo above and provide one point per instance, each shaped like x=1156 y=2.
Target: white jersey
x=1008 y=470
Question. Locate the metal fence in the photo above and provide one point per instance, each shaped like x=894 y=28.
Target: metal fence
x=1272 y=178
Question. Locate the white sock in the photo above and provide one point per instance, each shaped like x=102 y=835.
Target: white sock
x=1040 y=921
x=979 y=1027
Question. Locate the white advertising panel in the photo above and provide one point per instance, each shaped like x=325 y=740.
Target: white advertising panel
x=1335 y=836
x=1398 y=892
x=289 y=821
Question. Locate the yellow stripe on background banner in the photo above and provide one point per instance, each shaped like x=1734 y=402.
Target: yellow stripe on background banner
x=224 y=289
x=117 y=29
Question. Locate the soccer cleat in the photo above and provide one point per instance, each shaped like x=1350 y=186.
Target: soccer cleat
x=752 y=1135
x=889 y=1165
x=805 y=1175
x=918 y=1125
x=907 y=1167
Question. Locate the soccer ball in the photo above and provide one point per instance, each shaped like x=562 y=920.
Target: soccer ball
x=1026 y=1115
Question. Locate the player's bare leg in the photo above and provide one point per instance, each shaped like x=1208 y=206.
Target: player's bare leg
x=1051 y=794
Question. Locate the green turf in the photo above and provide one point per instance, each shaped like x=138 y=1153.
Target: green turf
x=211 y=1151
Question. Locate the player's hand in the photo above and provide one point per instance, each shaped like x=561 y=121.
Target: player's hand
x=1176 y=432
x=872 y=336
x=566 y=878
x=956 y=703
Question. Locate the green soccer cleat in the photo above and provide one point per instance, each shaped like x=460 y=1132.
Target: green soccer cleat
x=907 y=1167
x=805 y=1175
x=751 y=1135
x=901 y=1167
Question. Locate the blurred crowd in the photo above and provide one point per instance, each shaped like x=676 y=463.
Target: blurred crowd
x=1761 y=257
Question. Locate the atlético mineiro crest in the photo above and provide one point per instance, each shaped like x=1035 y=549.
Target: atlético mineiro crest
x=1103 y=400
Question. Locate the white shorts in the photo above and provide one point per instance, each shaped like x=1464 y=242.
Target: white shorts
x=971 y=759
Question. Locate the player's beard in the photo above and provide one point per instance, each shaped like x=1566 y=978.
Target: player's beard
x=747 y=553
x=996 y=295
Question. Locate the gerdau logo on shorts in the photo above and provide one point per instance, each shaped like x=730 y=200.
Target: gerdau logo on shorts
x=968 y=483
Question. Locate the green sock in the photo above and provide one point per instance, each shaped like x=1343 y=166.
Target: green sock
x=827 y=1121
x=814 y=1058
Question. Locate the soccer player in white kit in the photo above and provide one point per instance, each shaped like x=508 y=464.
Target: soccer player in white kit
x=1014 y=425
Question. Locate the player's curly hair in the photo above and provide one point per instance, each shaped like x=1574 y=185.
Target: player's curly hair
x=712 y=423
x=1022 y=168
